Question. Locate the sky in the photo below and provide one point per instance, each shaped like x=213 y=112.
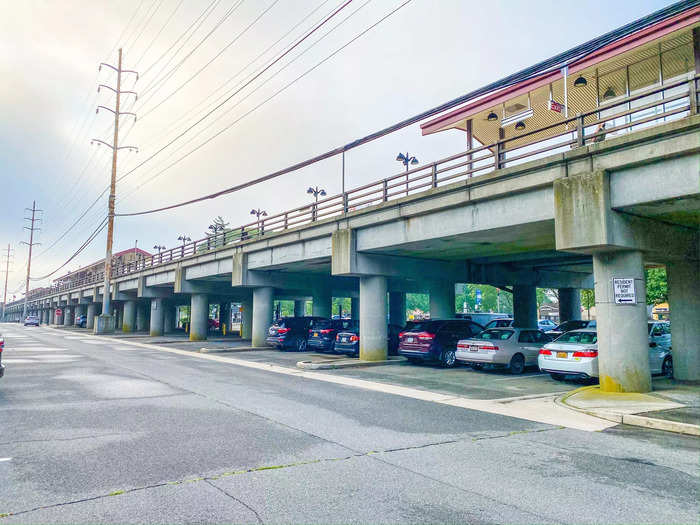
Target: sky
x=189 y=53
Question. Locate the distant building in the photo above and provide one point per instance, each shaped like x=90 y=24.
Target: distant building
x=130 y=256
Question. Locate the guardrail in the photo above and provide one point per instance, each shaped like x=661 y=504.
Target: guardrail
x=673 y=100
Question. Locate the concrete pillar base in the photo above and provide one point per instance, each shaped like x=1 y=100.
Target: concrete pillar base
x=442 y=300
x=355 y=308
x=157 y=318
x=263 y=299
x=104 y=324
x=91 y=311
x=397 y=308
x=246 y=319
x=569 y=304
x=299 y=308
x=199 y=317
x=684 y=303
x=322 y=301
x=373 y=328
x=525 y=306
x=129 y=317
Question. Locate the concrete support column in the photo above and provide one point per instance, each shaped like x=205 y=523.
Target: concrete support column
x=52 y=316
x=397 y=308
x=623 y=344
x=263 y=299
x=355 y=308
x=79 y=310
x=373 y=344
x=141 y=317
x=128 y=321
x=67 y=315
x=91 y=311
x=299 y=307
x=442 y=300
x=524 y=306
x=247 y=319
x=168 y=317
x=118 y=316
x=225 y=315
x=684 y=304
x=157 y=317
x=199 y=317
x=322 y=300
x=569 y=304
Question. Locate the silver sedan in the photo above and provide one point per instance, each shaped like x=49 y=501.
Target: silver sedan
x=515 y=348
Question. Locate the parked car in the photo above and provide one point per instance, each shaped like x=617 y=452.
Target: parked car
x=482 y=318
x=81 y=321
x=514 y=348
x=575 y=353
x=31 y=320
x=213 y=324
x=348 y=341
x=503 y=322
x=291 y=332
x=435 y=339
x=2 y=347
x=322 y=333
x=546 y=324
x=574 y=324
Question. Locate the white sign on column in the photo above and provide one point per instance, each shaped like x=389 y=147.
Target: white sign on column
x=624 y=292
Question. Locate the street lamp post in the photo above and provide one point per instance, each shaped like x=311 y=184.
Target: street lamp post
x=406 y=159
x=315 y=191
x=185 y=239
x=160 y=248
x=259 y=213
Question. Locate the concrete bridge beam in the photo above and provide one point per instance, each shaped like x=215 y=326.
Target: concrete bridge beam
x=263 y=299
x=128 y=318
x=684 y=303
x=373 y=329
x=623 y=343
x=569 y=304
x=199 y=317
x=157 y=317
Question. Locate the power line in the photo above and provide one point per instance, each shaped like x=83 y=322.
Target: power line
x=275 y=174
x=149 y=16
x=167 y=21
x=299 y=42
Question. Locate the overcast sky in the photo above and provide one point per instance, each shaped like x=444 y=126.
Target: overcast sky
x=428 y=52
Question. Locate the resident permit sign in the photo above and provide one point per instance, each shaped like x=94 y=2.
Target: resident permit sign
x=623 y=289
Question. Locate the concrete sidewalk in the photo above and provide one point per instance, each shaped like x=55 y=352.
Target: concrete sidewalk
x=673 y=408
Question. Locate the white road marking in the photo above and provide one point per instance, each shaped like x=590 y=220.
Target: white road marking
x=4 y=459
x=521 y=377
x=541 y=409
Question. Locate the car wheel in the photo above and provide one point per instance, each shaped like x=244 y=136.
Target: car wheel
x=667 y=368
x=301 y=345
x=557 y=377
x=517 y=364
x=447 y=358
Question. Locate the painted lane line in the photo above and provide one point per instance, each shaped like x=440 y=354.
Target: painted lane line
x=4 y=459
x=541 y=409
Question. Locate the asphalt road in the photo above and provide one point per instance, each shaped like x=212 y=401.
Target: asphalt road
x=95 y=432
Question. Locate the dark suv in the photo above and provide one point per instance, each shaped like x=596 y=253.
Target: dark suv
x=322 y=333
x=435 y=339
x=348 y=341
x=291 y=332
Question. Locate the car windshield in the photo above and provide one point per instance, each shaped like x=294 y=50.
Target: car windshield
x=587 y=338
x=499 y=334
x=423 y=326
x=572 y=325
x=289 y=322
x=351 y=326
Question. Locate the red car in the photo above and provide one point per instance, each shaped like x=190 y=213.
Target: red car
x=213 y=324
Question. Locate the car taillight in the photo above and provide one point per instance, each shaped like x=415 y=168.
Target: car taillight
x=326 y=330
x=462 y=345
x=544 y=351
x=283 y=330
x=401 y=334
x=354 y=338
x=587 y=353
x=425 y=336
x=337 y=337
x=489 y=347
x=2 y=345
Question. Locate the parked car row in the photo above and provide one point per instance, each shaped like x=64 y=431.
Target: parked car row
x=570 y=349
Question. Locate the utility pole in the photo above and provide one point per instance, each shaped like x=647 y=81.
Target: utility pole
x=105 y=322
x=31 y=244
x=7 y=273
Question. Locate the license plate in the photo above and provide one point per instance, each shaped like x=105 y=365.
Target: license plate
x=473 y=348
x=409 y=339
x=562 y=355
x=343 y=339
x=315 y=334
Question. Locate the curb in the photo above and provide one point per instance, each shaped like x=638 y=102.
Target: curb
x=233 y=349
x=630 y=419
x=310 y=365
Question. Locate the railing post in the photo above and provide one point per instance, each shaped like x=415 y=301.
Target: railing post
x=499 y=155
x=345 y=202
x=433 y=173
x=286 y=220
x=693 y=96
x=385 y=195
x=580 y=132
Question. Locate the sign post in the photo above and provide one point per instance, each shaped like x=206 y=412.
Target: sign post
x=624 y=292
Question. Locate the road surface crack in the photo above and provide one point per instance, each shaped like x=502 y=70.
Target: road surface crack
x=251 y=509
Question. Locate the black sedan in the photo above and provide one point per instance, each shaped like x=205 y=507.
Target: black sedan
x=348 y=341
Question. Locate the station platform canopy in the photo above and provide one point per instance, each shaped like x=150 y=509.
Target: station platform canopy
x=660 y=52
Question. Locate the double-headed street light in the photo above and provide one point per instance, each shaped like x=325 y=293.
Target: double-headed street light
x=184 y=238
x=315 y=191
x=258 y=213
x=159 y=247
x=406 y=159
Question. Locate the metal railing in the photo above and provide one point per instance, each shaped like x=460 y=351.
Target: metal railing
x=573 y=132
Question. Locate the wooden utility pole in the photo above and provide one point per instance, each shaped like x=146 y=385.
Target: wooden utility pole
x=106 y=325
x=7 y=273
x=31 y=244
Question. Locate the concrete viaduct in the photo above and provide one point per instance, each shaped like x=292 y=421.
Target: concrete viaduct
x=575 y=219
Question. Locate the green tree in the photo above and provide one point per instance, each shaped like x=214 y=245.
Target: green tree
x=588 y=300
x=657 y=286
